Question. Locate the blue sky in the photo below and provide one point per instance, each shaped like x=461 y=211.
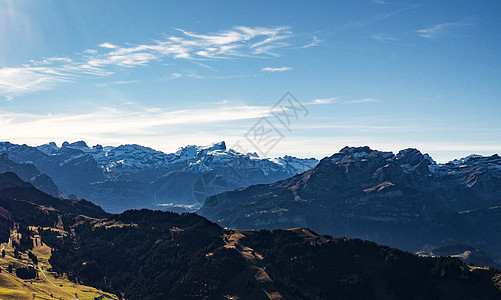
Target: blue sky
x=388 y=74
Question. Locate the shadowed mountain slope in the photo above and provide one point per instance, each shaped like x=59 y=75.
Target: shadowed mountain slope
x=404 y=200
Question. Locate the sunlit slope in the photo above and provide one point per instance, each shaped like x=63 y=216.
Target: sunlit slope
x=48 y=285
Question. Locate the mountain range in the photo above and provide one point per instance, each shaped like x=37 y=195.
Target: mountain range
x=133 y=176
x=405 y=200
x=144 y=254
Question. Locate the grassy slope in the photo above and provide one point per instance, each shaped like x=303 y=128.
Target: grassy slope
x=12 y=287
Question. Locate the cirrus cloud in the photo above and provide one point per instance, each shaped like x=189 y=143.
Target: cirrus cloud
x=433 y=32
x=107 y=123
x=280 y=69
x=235 y=43
x=363 y=100
x=325 y=101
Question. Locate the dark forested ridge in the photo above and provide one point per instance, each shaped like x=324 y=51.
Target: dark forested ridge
x=149 y=255
x=156 y=255
x=12 y=187
x=23 y=204
x=144 y=254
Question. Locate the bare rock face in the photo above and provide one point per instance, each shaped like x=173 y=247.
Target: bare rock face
x=405 y=200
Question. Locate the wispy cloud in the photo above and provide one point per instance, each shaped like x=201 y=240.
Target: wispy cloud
x=363 y=100
x=28 y=79
x=383 y=37
x=235 y=43
x=377 y=17
x=324 y=101
x=340 y=100
x=108 y=46
x=119 y=82
x=436 y=30
x=177 y=75
x=90 y=51
x=380 y=2
x=280 y=69
x=106 y=122
x=315 y=42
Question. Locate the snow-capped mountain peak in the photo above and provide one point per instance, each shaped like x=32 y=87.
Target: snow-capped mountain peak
x=132 y=173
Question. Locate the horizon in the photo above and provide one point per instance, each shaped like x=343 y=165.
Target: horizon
x=392 y=75
x=90 y=145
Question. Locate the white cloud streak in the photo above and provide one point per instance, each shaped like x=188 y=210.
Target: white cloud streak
x=383 y=37
x=436 y=30
x=235 y=43
x=324 y=101
x=107 y=45
x=157 y=128
x=315 y=42
x=28 y=79
x=280 y=69
x=109 y=123
x=363 y=100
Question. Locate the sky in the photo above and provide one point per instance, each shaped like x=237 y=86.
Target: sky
x=302 y=78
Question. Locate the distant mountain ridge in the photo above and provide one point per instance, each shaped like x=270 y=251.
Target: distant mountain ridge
x=16 y=196
x=133 y=176
x=29 y=173
x=404 y=200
